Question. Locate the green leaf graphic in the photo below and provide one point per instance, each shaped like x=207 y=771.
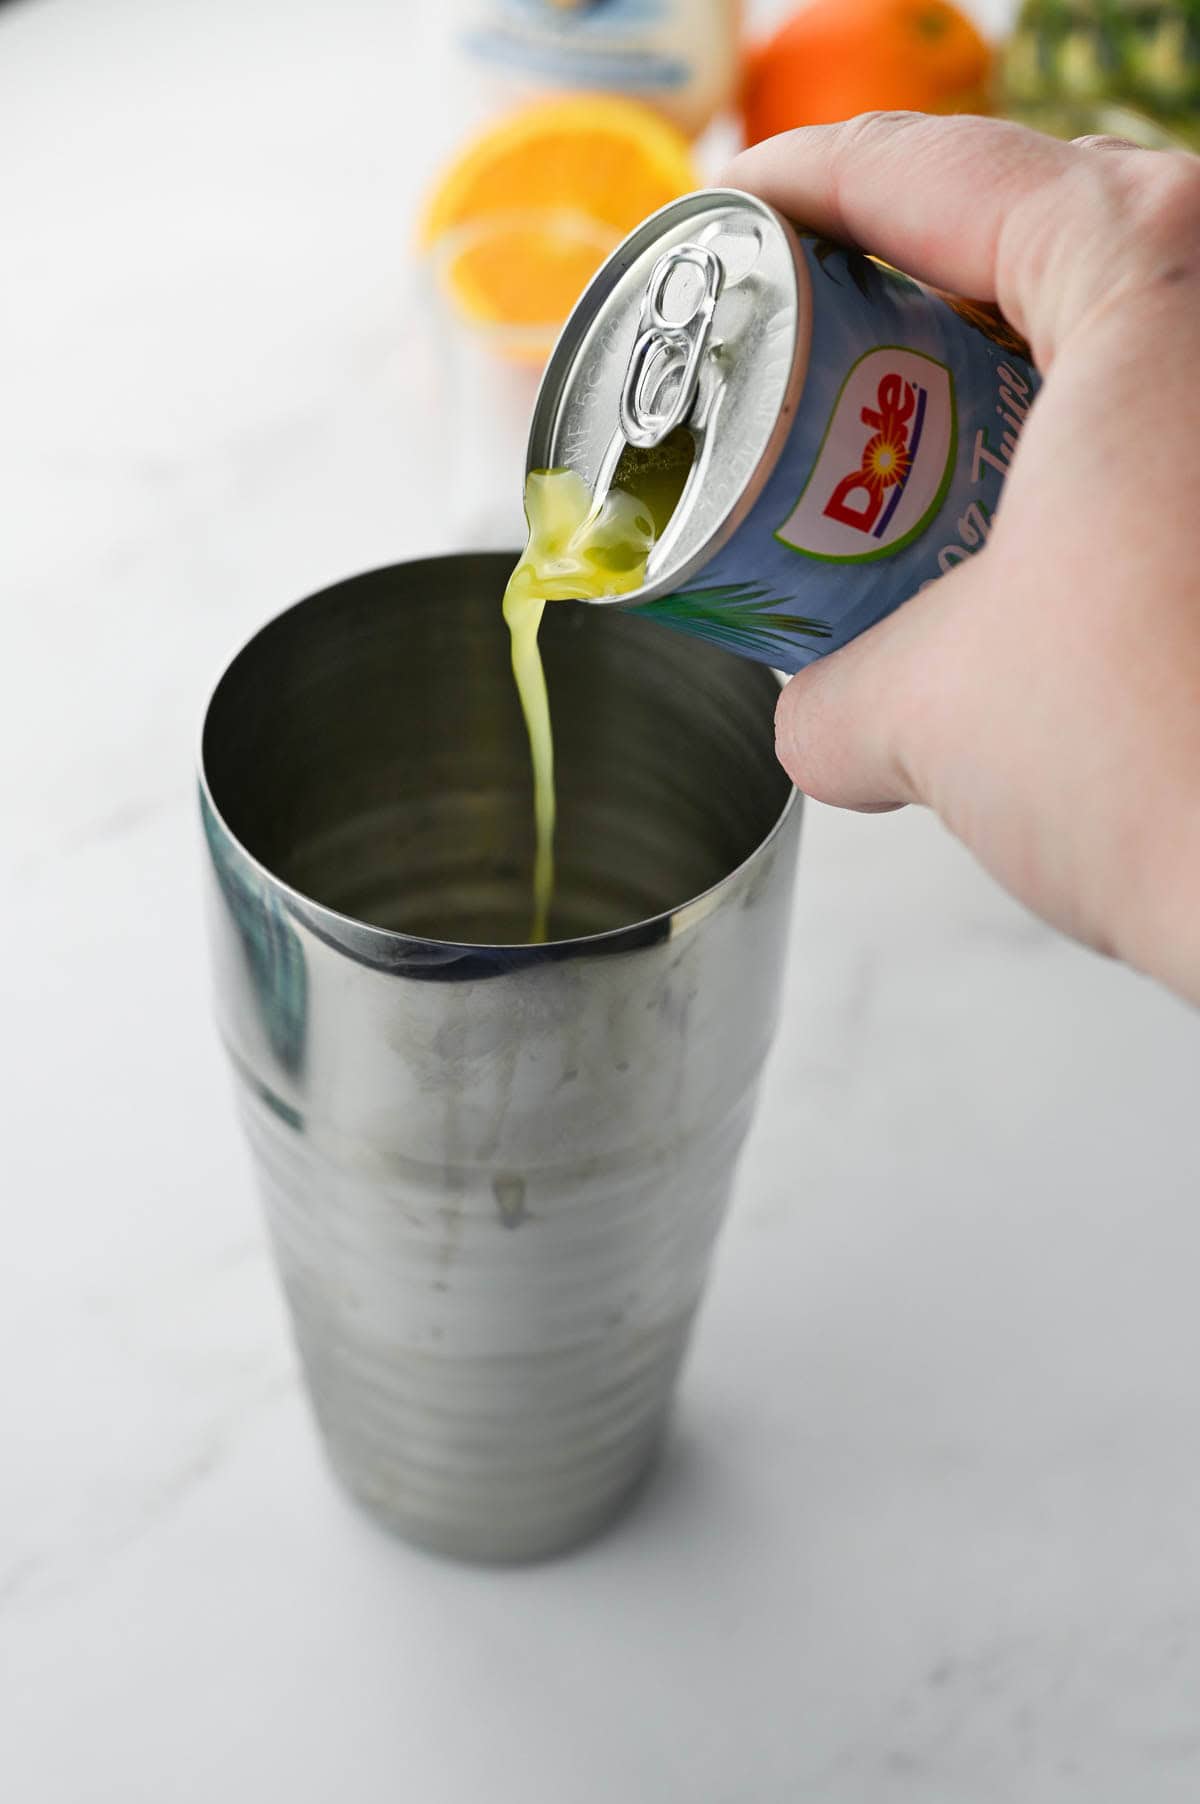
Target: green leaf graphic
x=740 y=614
x=861 y=272
x=823 y=249
x=858 y=266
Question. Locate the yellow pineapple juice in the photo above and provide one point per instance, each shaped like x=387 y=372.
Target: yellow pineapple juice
x=579 y=548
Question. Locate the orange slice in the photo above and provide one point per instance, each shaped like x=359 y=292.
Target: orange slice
x=526 y=214
x=518 y=275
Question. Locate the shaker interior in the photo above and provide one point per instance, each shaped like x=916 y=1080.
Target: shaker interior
x=367 y=748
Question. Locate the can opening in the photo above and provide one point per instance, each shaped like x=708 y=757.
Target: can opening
x=700 y=320
x=657 y=476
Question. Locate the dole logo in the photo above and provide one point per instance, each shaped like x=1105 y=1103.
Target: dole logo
x=883 y=463
x=858 y=499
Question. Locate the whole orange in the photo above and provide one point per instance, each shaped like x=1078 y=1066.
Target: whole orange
x=835 y=58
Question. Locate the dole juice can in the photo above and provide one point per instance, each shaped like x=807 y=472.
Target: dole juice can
x=842 y=432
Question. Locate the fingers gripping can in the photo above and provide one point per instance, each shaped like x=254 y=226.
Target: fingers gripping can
x=850 y=428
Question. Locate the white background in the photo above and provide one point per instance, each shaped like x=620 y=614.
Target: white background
x=930 y=1525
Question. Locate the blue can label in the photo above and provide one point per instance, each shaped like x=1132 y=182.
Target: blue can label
x=908 y=419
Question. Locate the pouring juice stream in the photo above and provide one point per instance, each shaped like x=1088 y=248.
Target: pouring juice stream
x=579 y=548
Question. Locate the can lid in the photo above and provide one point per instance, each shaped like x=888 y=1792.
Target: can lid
x=702 y=318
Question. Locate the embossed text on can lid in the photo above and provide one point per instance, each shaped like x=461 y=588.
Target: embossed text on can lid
x=703 y=316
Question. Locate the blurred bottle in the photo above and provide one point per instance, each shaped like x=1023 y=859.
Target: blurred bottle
x=679 y=56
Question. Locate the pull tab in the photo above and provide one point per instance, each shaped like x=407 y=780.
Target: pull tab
x=664 y=370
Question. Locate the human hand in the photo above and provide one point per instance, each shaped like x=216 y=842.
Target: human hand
x=1044 y=696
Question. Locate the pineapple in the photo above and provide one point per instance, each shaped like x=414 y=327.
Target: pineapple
x=1127 y=66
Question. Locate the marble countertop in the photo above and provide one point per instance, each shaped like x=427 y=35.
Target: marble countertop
x=929 y=1528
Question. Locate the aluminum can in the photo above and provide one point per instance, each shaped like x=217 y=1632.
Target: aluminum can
x=851 y=428
x=493 y=1172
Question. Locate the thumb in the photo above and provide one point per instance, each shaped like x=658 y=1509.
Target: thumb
x=862 y=727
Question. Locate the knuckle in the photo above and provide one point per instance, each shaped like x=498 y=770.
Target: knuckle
x=1168 y=200
x=865 y=142
x=1133 y=213
x=868 y=131
x=1103 y=141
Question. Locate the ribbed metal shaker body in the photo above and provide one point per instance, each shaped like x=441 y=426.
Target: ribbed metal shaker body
x=493 y=1174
